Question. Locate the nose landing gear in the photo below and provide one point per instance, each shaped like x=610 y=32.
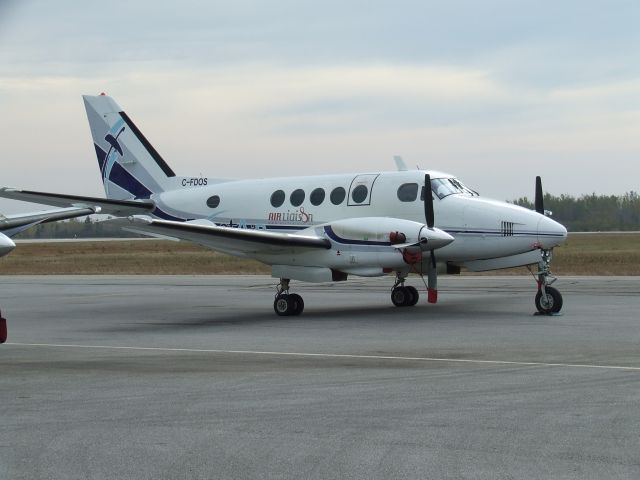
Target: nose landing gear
x=286 y=303
x=548 y=299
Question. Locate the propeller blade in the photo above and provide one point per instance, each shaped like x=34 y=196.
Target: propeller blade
x=428 y=202
x=539 y=202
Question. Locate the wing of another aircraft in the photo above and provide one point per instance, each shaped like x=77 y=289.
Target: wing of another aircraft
x=120 y=208
x=225 y=239
x=8 y=223
x=13 y=224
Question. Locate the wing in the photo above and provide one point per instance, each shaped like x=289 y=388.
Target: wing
x=236 y=241
x=13 y=224
x=120 y=208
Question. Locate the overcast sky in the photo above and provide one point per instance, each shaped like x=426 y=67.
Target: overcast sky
x=493 y=91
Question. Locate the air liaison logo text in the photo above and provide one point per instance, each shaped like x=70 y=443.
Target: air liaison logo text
x=298 y=216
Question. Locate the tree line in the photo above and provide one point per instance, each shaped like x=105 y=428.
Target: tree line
x=86 y=227
x=587 y=213
x=592 y=213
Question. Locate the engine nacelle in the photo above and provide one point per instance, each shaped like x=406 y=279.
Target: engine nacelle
x=374 y=231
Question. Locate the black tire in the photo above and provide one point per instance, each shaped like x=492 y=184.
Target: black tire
x=415 y=296
x=283 y=305
x=400 y=296
x=554 y=301
x=298 y=304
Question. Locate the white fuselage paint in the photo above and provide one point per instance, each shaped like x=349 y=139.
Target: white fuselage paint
x=482 y=228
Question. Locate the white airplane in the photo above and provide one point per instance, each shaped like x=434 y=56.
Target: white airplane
x=317 y=228
x=13 y=224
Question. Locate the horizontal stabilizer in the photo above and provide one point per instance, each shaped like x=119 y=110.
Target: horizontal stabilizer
x=120 y=208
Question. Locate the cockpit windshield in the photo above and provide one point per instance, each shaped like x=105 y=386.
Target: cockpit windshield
x=443 y=187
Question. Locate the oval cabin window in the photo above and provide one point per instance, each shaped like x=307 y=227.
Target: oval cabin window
x=337 y=195
x=213 y=202
x=297 y=197
x=317 y=196
x=277 y=198
x=359 y=194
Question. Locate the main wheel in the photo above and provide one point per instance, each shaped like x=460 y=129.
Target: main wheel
x=401 y=297
x=298 y=304
x=413 y=291
x=553 y=304
x=283 y=305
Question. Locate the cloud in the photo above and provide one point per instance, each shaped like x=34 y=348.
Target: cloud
x=495 y=91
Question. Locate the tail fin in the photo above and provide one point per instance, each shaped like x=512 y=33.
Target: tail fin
x=131 y=168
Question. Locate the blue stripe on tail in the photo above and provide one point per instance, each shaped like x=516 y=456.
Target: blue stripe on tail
x=131 y=184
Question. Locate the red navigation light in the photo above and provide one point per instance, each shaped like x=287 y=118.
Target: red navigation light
x=103 y=94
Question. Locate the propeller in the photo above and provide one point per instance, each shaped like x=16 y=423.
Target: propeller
x=428 y=202
x=539 y=202
x=432 y=278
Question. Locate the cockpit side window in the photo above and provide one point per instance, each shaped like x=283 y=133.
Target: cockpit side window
x=443 y=187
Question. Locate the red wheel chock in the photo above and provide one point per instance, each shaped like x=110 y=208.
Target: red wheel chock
x=3 y=329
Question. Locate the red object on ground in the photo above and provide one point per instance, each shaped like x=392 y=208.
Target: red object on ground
x=432 y=296
x=3 y=329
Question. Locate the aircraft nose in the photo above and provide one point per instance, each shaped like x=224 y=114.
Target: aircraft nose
x=6 y=245
x=550 y=232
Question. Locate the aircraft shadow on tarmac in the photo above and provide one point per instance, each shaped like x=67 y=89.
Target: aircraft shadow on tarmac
x=454 y=310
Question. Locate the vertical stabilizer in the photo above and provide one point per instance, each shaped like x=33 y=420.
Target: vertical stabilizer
x=130 y=167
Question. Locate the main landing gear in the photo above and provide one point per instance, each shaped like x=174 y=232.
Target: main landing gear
x=548 y=299
x=286 y=303
x=404 y=296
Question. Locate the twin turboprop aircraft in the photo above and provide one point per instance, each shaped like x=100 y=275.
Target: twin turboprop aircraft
x=317 y=228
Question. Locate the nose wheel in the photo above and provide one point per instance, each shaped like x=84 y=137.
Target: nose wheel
x=286 y=303
x=549 y=303
x=548 y=299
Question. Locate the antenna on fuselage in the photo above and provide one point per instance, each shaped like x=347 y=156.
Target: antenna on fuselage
x=402 y=167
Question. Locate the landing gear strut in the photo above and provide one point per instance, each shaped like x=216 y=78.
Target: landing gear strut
x=548 y=299
x=286 y=303
x=403 y=296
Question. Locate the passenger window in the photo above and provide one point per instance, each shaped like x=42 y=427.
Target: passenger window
x=277 y=198
x=359 y=194
x=213 y=202
x=297 y=197
x=337 y=195
x=408 y=192
x=317 y=196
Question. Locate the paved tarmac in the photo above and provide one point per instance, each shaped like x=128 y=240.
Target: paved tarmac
x=196 y=377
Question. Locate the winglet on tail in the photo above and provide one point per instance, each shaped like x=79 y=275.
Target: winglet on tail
x=130 y=167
